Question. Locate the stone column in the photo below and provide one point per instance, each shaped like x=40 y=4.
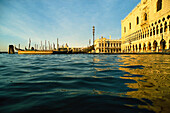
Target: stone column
x=155 y=30
x=149 y=33
x=142 y=47
x=168 y=27
x=134 y=48
x=138 y=48
x=158 y=46
x=159 y=29
x=104 y=46
x=163 y=28
x=145 y=34
x=146 y=48
x=152 y=32
x=167 y=44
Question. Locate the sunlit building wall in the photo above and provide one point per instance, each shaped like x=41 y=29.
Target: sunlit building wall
x=147 y=27
x=104 y=45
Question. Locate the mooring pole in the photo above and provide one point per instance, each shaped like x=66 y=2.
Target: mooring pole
x=11 y=49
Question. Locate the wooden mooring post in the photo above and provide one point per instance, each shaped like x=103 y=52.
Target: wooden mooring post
x=11 y=49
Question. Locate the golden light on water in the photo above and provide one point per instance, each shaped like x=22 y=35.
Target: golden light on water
x=152 y=80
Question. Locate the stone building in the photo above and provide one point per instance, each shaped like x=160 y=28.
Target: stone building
x=104 y=45
x=147 y=27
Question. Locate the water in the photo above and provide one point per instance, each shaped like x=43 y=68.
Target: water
x=83 y=83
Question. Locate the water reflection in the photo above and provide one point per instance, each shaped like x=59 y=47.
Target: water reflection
x=84 y=83
x=151 y=73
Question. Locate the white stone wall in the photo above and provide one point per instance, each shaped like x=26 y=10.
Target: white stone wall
x=104 y=45
x=147 y=32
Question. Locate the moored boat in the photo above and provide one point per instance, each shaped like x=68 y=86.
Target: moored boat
x=43 y=49
x=35 y=52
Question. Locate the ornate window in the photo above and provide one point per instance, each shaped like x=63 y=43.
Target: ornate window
x=137 y=20
x=159 y=5
x=99 y=44
x=145 y=17
x=165 y=28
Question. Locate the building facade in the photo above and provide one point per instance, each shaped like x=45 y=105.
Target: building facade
x=104 y=45
x=147 y=27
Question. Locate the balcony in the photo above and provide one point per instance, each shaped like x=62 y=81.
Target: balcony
x=144 y=23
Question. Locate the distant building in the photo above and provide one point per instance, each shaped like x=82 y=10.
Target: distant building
x=147 y=27
x=104 y=45
x=76 y=49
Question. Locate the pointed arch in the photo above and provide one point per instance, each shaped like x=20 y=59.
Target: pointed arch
x=162 y=44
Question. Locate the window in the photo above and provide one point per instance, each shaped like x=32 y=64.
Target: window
x=137 y=20
x=165 y=28
x=150 y=32
x=145 y=16
x=124 y=29
x=157 y=30
x=153 y=30
x=129 y=25
x=159 y=5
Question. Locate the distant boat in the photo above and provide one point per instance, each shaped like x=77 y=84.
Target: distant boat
x=35 y=52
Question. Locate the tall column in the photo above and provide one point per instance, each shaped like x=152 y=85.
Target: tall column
x=104 y=47
x=155 y=30
x=134 y=48
x=168 y=27
x=159 y=31
x=163 y=29
x=152 y=32
x=146 y=34
x=142 y=47
x=151 y=46
x=158 y=46
x=149 y=33
x=146 y=48
x=137 y=48
x=167 y=44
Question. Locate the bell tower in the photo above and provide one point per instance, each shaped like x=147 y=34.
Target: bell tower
x=93 y=35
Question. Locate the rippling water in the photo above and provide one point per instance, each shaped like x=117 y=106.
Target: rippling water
x=84 y=83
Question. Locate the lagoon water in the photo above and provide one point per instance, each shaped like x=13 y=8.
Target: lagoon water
x=84 y=83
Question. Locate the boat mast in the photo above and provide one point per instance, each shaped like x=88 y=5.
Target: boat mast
x=57 y=44
x=29 y=43
x=41 y=45
x=49 y=44
x=53 y=46
x=45 y=45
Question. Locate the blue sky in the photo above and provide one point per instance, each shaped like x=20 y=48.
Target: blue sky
x=69 y=20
